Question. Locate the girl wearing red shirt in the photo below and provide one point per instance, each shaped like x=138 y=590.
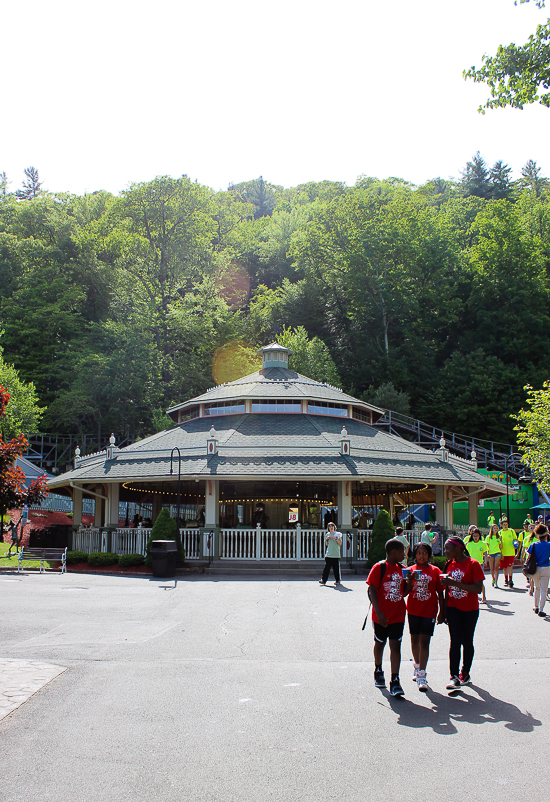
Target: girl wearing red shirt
x=463 y=579
x=425 y=596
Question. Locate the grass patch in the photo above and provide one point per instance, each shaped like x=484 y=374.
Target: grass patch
x=11 y=562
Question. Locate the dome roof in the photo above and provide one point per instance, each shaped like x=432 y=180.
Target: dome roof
x=275 y=381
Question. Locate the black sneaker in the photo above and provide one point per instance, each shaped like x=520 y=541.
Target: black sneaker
x=542 y=615
x=510 y=584
x=395 y=688
x=453 y=684
x=379 y=679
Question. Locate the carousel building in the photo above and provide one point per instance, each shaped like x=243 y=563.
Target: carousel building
x=257 y=466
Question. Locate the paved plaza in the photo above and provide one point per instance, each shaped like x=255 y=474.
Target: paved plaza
x=256 y=688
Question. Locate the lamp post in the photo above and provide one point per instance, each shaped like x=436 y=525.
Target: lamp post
x=506 y=458
x=178 y=536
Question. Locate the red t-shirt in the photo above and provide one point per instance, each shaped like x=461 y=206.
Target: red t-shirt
x=469 y=571
x=423 y=599
x=390 y=594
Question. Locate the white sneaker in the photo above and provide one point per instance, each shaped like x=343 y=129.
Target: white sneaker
x=421 y=680
x=416 y=666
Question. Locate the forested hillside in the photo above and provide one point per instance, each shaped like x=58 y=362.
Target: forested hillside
x=116 y=306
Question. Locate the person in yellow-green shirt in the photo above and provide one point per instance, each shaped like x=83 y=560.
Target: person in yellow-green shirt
x=509 y=541
x=477 y=549
x=490 y=520
x=494 y=545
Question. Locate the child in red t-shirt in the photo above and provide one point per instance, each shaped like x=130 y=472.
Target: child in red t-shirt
x=425 y=596
x=463 y=579
x=386 y=593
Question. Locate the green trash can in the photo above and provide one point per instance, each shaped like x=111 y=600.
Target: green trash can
x=165 y=557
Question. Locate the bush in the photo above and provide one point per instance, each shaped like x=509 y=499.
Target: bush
x=76 y=556
x=127 y=560
x=440 y=561
x=99 y=558
x=382 y=531
x=164 y=528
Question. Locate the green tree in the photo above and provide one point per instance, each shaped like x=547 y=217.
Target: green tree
x=532 y=179
x=31 y=187
x=500 y=181
x=533 y=433
x=387 y=397
x=23 y=413
x=382 y=531
x=310 y=357
x=259 y=193
x=476 y=178
x=517 y=76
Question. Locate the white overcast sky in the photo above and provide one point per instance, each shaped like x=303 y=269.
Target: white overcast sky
x=98 y=95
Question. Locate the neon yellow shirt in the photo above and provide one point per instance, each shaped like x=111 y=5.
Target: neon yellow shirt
x=477 y=550
x=508 y=536
x=493 y=545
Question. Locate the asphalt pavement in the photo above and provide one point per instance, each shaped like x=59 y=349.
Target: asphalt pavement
x=212 y=688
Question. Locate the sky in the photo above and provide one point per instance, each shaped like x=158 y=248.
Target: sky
x=101 y=95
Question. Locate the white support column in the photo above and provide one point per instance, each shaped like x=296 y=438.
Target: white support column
x=472 y=508
x=441 y=505
x=212 y=507
x=77 y=507
x=344 y=504
x=98 y=516
x=112 y=504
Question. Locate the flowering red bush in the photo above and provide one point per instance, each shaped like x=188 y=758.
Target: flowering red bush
x=13 y=493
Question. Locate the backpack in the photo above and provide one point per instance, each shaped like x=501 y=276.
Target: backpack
x=382 y=565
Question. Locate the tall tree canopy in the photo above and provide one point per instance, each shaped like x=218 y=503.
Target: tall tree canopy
x=517 y=75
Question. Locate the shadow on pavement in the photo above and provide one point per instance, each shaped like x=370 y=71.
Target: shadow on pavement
x=492 y=607
x=459 y=708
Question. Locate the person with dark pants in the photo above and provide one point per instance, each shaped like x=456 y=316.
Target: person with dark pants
x=333 y=543
x=463 y=579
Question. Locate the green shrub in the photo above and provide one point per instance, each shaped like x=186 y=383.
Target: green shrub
x=382 y=531
x=164 y=528
x=440 y=561
x=76 y=556
x=127 y=560
x=99 y=558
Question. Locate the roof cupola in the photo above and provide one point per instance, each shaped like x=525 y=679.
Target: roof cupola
x=275 y=356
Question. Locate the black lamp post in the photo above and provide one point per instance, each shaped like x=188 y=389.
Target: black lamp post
x=178 y=536
x=506 y=458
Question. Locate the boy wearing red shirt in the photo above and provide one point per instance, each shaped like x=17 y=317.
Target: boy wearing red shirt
x=386 y=593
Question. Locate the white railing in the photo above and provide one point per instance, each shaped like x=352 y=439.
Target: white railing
x=87 y=540
x=272 y=544
x=238 y=544
x=130 y=541
x=191 y=541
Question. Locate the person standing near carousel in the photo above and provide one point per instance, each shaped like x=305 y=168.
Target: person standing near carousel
x=333 y=544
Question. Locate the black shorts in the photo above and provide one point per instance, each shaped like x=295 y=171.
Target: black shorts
x=392 y=631
x=418 y=625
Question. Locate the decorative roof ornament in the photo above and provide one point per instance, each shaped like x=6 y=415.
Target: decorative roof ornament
x=112 y=439
x=345 y=444
x=473 y=456
x=211 y=443
x=442 y=442
x=77 y=452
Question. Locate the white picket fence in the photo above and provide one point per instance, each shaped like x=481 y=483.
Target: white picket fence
x=236 y=544
x=131 y=540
